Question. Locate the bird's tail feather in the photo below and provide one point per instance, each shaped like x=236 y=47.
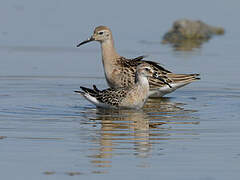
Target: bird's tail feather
x=183 y=77
x=80 y=92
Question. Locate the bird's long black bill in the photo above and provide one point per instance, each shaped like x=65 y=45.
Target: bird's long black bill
x=86 y=41
x=155 y=75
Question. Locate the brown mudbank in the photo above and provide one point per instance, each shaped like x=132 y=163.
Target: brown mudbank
x=189 y=30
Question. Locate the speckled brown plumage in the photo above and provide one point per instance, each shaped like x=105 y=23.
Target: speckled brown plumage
x=127 y=69
x=111 y=96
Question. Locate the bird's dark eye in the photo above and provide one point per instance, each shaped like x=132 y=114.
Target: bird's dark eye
x=100 y=33
x=155 y=74
x=147 y=69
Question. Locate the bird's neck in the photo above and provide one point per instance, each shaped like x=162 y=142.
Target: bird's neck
x=109 y=58
x=109 y=54
x=141 y=80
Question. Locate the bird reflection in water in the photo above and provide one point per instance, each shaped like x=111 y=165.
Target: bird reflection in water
x=124 y=132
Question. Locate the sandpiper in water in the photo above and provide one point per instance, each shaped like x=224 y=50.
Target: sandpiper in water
x=120 y=71
x=133 y=96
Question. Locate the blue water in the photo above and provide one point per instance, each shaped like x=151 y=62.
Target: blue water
x=49 y=132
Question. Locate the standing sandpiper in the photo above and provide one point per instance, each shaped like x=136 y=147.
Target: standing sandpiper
x=120 y=71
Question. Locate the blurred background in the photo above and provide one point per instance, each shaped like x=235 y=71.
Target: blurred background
x=40 y=37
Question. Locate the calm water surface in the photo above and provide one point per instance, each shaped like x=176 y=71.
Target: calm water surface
x=49 y=132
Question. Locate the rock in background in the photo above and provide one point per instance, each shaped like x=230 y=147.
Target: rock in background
x=188 y=34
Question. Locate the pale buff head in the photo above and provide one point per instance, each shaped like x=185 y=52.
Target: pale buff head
x=145 y=70
x=100 y=34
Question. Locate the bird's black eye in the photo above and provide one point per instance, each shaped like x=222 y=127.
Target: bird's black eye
x=147 y=69
x=100 y=33
x=155 y=74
